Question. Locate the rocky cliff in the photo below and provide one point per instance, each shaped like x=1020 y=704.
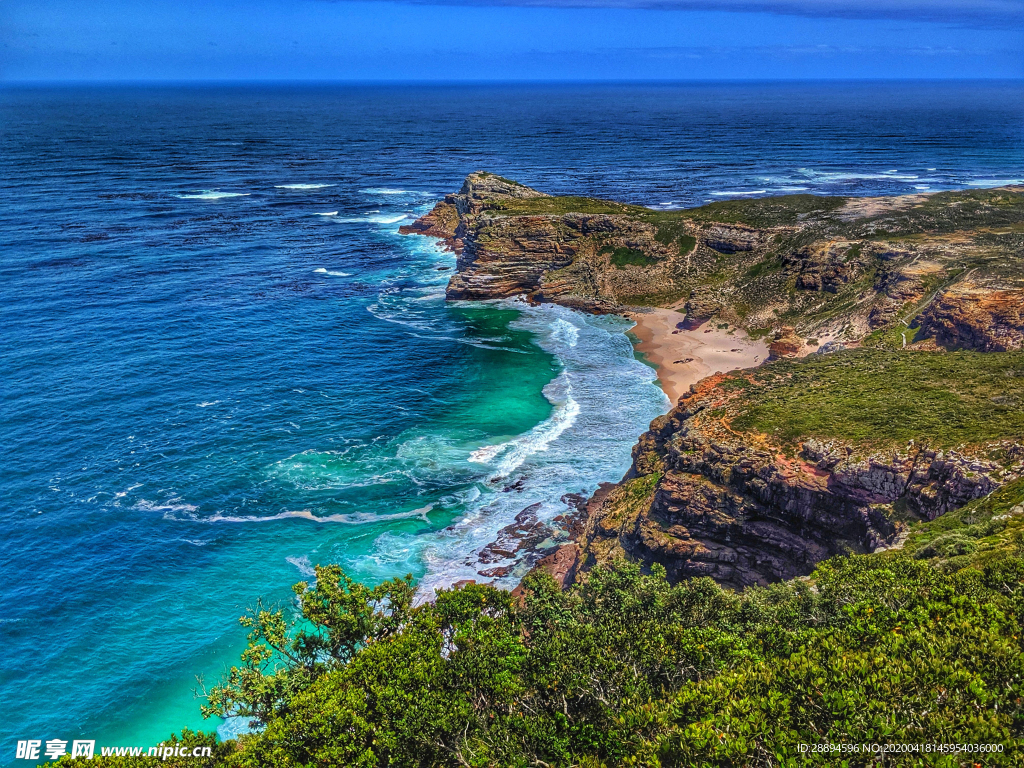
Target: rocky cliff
x=757 y=475
x=975 y=317
x=942 y=268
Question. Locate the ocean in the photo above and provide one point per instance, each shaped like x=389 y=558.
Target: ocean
x=222 y=365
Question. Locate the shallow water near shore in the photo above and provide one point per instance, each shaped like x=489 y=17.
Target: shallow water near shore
x=223 y=365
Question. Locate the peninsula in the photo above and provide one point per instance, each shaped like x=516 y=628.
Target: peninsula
x=893 y=327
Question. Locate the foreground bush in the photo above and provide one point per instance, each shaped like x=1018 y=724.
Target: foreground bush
x=627 y=669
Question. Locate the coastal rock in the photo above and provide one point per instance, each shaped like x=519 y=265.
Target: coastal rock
x=441 y=223
x=785 y=344
x=524 y=535
x=481 y=190
x=830 y=268
x=732 y=238
x=699 y=308
x=560 y=564
x=510 y=241
x=976 y=317
x=704 y=498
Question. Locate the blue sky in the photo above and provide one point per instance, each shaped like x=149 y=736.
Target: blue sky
x=509 y=39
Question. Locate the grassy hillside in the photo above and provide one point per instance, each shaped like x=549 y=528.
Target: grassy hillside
x=875 y=398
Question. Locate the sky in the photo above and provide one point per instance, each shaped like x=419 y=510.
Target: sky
x=454 y=40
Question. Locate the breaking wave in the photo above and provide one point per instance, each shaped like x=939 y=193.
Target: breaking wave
x=211 y=194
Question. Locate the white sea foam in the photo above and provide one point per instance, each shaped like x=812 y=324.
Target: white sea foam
x=304 y=566
x=841 y=176
x=207 y=403
x=212 y=194
x=392 y=219
x=325 y=271
x=385 y=219
x=565 y=331
x=734 y=192
x=507 y=457
x=170 y=507
x=602 y=395
x=994 y=182
x=126 y=491
x=355 y=518
x=328 y=213
x=355 y=466
x=486 y=454
x=389 y=191
x=302 y=186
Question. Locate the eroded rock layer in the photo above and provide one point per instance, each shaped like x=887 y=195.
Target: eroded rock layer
x=710 y=493
x=758 y=475
x=925 y=269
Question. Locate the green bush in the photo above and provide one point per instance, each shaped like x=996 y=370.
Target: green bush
x=621 y=257
x=627 y=669
x=949 y=545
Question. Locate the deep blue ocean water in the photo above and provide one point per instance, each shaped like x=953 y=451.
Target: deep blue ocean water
x=221 y=364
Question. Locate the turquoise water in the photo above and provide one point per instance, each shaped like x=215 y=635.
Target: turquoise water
x=223 y=365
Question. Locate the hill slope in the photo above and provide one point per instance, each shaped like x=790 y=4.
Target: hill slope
x=950 y=265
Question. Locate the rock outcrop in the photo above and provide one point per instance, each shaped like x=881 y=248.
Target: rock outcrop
x=831 y=269
x=828 y=266
x=785 y=343
x=974 y=317
x=708 y=497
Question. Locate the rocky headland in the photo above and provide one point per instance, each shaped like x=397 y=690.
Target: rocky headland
x=893 y=392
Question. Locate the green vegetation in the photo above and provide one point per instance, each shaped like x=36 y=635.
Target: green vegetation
x=984 y=531
x=874 y=398
x=559 y=206
x=686 y=244
x=671 y=225
x=946 y=212
x=765 y=211
x=627 y=669
x=942 y=212
x=620 y=257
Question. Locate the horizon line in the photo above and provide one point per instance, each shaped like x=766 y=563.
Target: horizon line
x=492 y=81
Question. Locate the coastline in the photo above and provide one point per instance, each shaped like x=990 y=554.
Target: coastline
x=684 y=357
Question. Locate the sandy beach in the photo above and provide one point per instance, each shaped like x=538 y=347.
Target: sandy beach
x=685 y=357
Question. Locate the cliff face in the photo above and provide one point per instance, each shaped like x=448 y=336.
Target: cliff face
x=940 y=269
x=711 y=493
x=557 y=253
x=975 y=317
x=758 y=475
